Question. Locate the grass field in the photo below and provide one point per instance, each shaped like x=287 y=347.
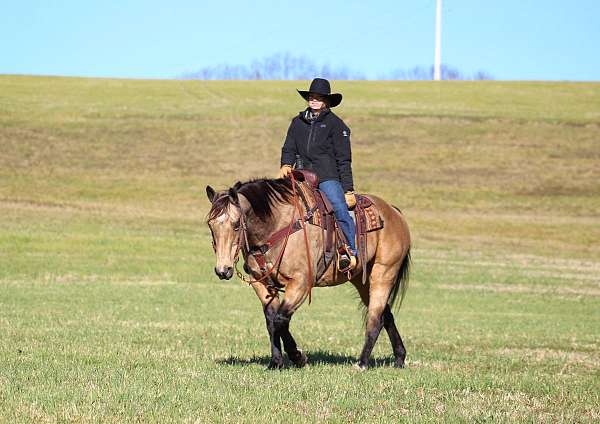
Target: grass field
x=110 y=310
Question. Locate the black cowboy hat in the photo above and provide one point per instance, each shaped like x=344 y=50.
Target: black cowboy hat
x=321 y=86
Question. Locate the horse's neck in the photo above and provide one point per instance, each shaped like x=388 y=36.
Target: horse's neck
x=260 y=231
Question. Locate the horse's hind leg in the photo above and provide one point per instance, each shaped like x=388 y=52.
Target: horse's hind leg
x=373 y=328
x=381 y=281
x=395 y=339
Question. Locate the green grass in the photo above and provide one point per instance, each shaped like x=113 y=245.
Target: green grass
x=110 y=311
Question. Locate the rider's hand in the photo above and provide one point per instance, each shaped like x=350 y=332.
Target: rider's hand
x=284 y=171
x=350 y=199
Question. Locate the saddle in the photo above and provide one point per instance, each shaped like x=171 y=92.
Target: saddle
x=366 y=215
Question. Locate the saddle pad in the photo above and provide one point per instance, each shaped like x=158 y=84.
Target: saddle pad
x=373 y=220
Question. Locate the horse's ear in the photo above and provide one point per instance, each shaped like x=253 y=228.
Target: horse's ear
x=233 y=195
x=237 y=185
x=210 y=192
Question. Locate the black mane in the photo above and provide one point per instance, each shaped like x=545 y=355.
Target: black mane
x=262 y=194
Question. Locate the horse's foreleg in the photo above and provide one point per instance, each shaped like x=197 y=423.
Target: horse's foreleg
x=295 y=294
x=289 y=344
x=394 y=335
x=278 y=330
x=274 y=337
x=270 y=306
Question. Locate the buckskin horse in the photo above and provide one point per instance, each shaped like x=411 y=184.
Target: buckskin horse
x=261 y=218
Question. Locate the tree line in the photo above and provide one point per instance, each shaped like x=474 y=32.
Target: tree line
x=285 y=66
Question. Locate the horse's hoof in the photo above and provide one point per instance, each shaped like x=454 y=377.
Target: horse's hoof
x=359 y=367
x=399 y=364
x=299 y=359
x=273 y=365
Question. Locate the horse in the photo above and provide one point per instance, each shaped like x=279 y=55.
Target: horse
x=245 y=216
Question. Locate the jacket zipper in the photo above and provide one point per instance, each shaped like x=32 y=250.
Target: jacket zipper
x=309 y=139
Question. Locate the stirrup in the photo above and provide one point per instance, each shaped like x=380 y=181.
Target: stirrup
x=346 y=262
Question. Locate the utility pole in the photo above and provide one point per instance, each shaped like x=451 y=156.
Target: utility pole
x=437 y=72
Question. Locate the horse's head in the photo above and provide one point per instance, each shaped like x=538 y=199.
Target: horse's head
x=226 y=222
x=251 y=202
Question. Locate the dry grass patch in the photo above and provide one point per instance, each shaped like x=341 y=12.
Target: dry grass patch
x=516 y=288
x=588 y=359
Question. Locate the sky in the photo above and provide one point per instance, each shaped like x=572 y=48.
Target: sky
x=508 y=39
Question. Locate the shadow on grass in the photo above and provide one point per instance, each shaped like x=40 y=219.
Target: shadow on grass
x=318 y=357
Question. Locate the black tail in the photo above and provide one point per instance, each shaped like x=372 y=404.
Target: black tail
x=401 y=283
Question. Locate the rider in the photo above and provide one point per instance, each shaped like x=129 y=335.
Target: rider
x=322 y=141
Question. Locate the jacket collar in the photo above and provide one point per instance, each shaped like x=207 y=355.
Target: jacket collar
x=319 y=118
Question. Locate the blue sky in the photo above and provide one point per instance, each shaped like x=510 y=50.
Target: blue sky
x=510 y=39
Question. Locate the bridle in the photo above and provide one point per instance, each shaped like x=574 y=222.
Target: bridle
x=283 y=234
x=242 y=236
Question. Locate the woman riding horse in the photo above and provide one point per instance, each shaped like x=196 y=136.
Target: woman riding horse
x=256 y=219
x=322 y=141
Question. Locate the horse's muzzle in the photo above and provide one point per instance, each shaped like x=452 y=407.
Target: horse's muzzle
x=224 y=274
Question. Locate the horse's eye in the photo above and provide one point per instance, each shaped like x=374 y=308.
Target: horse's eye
x=236 y=227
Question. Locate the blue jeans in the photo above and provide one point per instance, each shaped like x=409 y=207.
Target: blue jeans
x=334 y=192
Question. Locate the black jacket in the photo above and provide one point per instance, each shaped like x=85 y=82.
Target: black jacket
x=324 y=146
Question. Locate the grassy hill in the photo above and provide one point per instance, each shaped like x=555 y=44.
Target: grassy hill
x=110 y=308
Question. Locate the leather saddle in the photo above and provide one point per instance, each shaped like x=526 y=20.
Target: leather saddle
x=366 y=216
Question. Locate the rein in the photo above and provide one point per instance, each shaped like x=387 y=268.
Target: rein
x=311 y=278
